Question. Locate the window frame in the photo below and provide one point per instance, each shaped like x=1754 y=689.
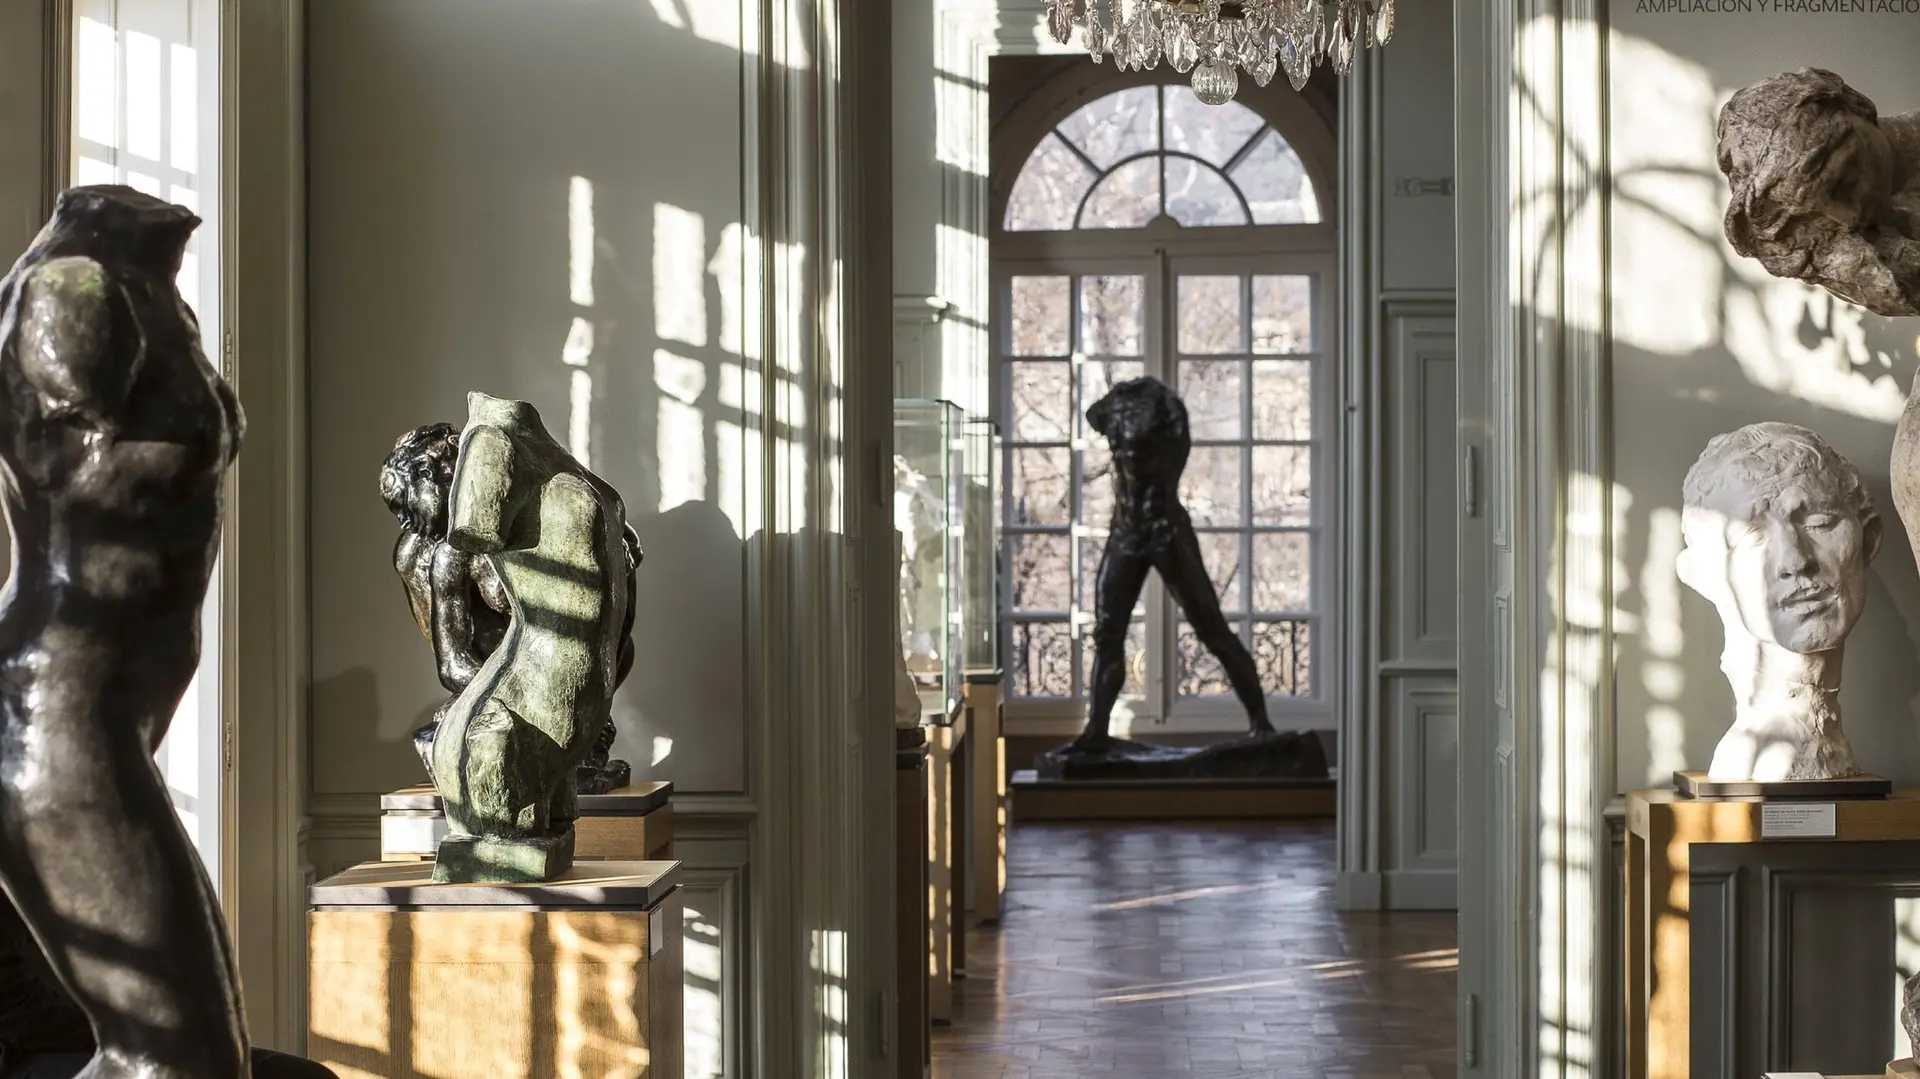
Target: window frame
x=207 y=761
x=1162 y=252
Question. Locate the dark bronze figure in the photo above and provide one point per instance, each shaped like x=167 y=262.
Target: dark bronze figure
x=457 y=598
x=1145 y=424
x=115 y=438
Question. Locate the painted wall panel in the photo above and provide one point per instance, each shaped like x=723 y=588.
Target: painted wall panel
x=500 y=202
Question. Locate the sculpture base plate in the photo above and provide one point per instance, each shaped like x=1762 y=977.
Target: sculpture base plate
x=1163 y=800
x=1284 y=755
x=479 y=859
x=1697 y=785
x=1904 y=1068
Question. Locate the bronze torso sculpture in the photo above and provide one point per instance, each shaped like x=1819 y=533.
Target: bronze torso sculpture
x=116 y=441
x=457 y=598
x=507 y=747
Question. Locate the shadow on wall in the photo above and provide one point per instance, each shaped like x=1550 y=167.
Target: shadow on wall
x=1705 y=341
x=543 y=202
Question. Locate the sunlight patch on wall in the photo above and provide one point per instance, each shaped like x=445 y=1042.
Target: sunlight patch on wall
x=580 y=240
x=680 y=430
x=729 y=269
x=679 y=275
x=1798 y=341
x=1679 y=289
x=964 y=346
x=711 y=21
x=741 y=476
x=1596 y=519
x=830 y=964
x=700 y=958
x=1663 y=640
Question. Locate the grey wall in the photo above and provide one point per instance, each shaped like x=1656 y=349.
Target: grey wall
x=1400 y=847
x=445 y=139
x=23 y=149
x=1704 y=342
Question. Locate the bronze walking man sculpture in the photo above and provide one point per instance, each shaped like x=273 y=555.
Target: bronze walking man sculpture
x=1145 y=424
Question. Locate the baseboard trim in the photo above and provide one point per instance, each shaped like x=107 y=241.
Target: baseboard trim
x=1358 y=891
x=1420 y=889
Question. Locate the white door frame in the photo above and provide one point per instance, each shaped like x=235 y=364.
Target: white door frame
x=1536 y=542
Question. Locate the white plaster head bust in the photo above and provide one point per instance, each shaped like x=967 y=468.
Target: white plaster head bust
x=1779 y=531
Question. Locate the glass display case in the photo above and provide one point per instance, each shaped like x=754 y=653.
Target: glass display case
x=929 y=474
x=980 y=496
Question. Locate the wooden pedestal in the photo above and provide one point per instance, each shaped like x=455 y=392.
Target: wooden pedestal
x=988 y=806
x=414 y=980
x=947 y=750
x=634 y=824
x=1799 y=848
x=914 y=1048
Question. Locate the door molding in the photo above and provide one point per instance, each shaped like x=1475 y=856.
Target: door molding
x=1537 y=742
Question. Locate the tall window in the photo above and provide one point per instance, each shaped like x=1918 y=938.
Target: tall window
x=1148 y=234
x=146 y=99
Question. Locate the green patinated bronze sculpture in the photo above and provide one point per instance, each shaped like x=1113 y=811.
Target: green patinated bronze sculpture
x=505 y=753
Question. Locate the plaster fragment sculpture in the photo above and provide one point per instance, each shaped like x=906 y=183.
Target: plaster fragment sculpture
x=1825 y=189
x=457 y=598
x=1778 y=533
x=507 y=747
x=115 y=439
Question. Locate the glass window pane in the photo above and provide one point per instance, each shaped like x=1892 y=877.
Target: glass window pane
x=96 y=82
x=1040 y=659
x=1038 y=483
x=1096 y=378
x=1212 y=316
x=1128 y=198
x=1042 y=316
x=1282 y=314
x=1198 y=671
x=1136 y=683
x=1038 y=573
x=1283 y=651
x=1113 y=315
x=1212 y=391
x=1117 y=126
x=1042 y=400
x=1282 y=485
x=1213 y=133
x=1282 y=572
x=1275 y=183
x=1282 y=400
x=1048 y=191
x=1199 y=197
x=1220 y=551
x=1210 y=488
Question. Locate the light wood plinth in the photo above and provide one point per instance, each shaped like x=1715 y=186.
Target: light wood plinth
x=1663 y=826
x=988 y=806
x=947 y=750
x=1170 y=799
x=412 y=980
x=1904 y=1068
x=628 y=825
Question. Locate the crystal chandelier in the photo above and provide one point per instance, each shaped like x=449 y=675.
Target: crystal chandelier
x=1215 y=38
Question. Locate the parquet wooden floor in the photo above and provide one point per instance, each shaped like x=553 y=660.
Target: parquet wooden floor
x=1132 y=951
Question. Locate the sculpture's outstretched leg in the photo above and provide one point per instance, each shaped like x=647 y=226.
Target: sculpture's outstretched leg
x=1123 y=573
x=1186 y=575
x=101 y=870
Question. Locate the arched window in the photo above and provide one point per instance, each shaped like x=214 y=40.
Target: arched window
x=1149 y=234
x=1140 y=154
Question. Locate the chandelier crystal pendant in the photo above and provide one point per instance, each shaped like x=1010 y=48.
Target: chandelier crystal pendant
x=1217 y=39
